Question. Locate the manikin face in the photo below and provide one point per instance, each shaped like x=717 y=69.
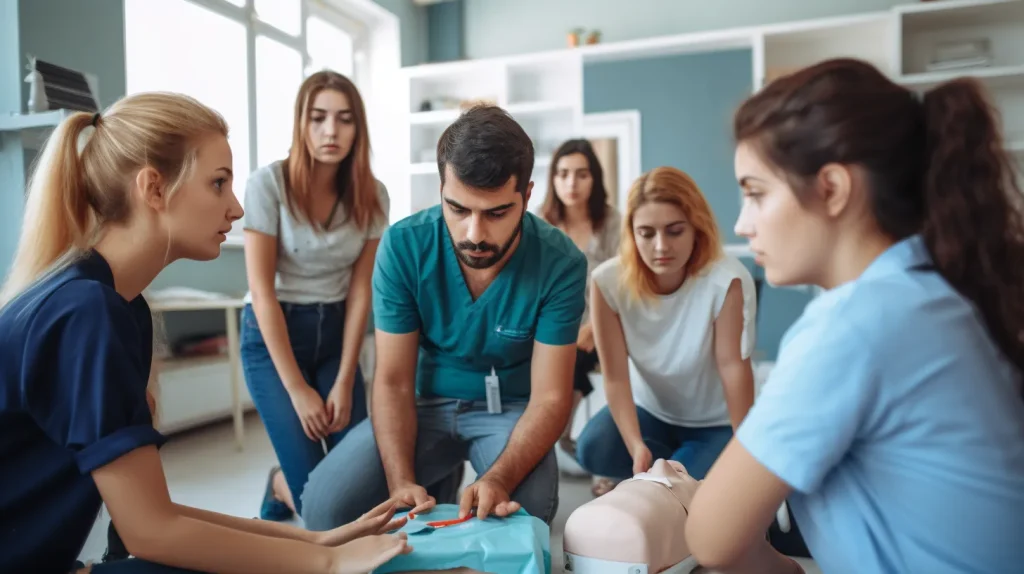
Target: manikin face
x=331 y=129
x=789 y=241
x=200 y=213
x=683 y=485
x=664 y=238
x=483 y=223
x=573 y=180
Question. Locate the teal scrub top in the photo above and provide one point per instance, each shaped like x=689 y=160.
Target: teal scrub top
x=538 y=296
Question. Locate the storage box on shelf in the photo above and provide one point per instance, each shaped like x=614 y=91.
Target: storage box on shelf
x=984 y=39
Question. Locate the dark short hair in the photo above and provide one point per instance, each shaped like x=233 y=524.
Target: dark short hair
x=485 y=147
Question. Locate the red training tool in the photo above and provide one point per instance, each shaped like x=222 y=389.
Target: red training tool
x=443 y=523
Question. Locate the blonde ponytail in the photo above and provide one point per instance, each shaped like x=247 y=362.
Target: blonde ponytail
x=58 y=219
x=76 y=189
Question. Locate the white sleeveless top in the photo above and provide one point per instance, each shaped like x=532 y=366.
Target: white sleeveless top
x=670 y=341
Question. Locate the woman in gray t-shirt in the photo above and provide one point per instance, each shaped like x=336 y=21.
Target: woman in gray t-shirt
x=312 y=224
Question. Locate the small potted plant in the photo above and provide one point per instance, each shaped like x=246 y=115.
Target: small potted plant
x=574 y=37
x=594 y=37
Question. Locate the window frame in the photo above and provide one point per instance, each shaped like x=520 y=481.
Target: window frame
x=254 y=27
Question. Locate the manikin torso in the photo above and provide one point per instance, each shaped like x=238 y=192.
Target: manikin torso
x=641 y=521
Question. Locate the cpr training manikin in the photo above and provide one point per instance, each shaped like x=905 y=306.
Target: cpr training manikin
x=637 y=528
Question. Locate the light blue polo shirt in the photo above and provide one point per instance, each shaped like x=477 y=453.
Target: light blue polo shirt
x=539 y=295
x=899 y=426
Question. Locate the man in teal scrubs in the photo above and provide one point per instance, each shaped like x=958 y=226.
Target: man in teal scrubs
x=477 y=304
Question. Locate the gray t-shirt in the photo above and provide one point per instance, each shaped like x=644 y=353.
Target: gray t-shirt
x=312 y=266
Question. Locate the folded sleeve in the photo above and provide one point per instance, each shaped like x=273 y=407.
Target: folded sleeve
x=562 y=309
x=814 y=404
x=263 y=202
x=722 y=278
x=394 y=300
x=87 y=387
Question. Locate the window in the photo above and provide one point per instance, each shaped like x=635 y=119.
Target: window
x=329 y=46
x=278 y=78
x=219 y=82
x=285 y=15
x=287 y=39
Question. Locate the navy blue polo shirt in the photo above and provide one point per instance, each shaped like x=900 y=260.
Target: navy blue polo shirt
x=74 y=363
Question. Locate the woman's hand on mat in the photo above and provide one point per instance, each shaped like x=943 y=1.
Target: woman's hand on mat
x=367 y=553
x=642 y=458
x=488 y=497
x=380 y=520
x=413 y=496
x=339 y=407
x=311 y=410
x=585 y=341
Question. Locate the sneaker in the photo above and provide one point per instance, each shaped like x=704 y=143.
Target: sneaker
x=272 y=508
x=567 y=463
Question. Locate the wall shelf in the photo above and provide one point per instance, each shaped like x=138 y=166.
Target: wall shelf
x=33 y=128
x=544 y=90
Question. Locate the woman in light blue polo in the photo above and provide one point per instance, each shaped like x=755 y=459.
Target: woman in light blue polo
x=893 y=420
x=313 y=221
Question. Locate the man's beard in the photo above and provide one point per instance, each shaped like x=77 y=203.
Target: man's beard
x=483 y=255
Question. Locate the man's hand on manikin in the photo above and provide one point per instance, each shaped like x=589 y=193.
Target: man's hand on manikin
x=488 y=496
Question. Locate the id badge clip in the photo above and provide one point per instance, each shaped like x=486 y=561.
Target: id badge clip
x=493 y=389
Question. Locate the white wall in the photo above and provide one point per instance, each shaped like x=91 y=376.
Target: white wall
x=501 y=27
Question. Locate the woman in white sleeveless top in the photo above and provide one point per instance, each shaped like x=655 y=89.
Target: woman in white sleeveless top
x=673 y=321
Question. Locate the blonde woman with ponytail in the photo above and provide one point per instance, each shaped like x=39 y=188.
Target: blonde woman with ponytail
x=114 y=199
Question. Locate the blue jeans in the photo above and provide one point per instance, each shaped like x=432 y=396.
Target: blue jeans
x=315 y=332
x=601 y=451
x=351 y=481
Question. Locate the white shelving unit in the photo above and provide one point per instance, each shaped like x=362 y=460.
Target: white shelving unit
x=543 y=93
x=545 y=90
x=925 y=26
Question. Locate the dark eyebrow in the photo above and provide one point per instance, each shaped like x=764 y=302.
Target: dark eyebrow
x=456 y=205
x=323 y=111
x=748 y=178
x=500 y=208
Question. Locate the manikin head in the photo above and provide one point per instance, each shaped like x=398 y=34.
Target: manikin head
x=485 y=160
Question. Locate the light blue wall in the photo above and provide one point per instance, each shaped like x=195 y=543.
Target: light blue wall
x=686 y=105
x=12 y=162
x=412 y=27
x=500 y=27
x=445 y=27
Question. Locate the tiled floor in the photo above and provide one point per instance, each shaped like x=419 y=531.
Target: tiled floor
x=205 y=470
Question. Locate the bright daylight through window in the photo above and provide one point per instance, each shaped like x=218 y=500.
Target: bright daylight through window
x=215 y=69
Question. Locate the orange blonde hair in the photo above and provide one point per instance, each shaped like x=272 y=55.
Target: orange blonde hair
x=674 y=187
